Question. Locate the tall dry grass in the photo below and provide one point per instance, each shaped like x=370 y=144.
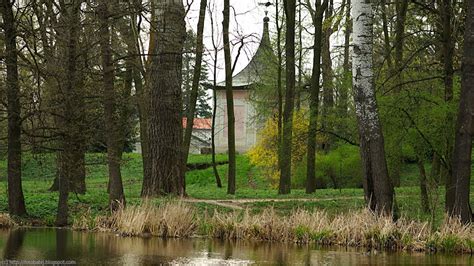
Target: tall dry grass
x=171 y=219
x=6 y=221
x=357 y=229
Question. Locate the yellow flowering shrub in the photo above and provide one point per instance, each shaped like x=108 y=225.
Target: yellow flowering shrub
x=265 y=153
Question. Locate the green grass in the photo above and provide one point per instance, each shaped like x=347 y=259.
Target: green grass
x=39 y=172
x=285 y=208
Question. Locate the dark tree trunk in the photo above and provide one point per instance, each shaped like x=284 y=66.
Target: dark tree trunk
x=286 y=147
x=397 y=160
x=195 y=85
x=317 y=16
x=401 y=7
x=144 y=101
x=230 y=101
x=77 y=180
x=214 y=109
x=71 y=160
x=63 y=209
x=462 y=156
x=16 y=200
x=213 y=134
x=344 y=95
x=78 y=183
x=71 y=124
x=386 y=35
x=44 y=16
x=142 y=106
x=125 y=103
x=279 y=80
x=142 y=94
x=423 y=185
x=446 y=12
x=435 y=169
x=299 y=88
x=165 y=125
x=378 y=188
x=328 y=87
x=112 y=126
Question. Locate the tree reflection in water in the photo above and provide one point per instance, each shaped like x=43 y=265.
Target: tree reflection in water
x=14 y=244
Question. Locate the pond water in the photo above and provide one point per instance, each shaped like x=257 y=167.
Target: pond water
x=46 y=244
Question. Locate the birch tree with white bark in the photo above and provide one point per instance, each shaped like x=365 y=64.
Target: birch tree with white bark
x=378 y=188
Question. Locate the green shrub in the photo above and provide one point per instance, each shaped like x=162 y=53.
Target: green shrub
x=340 y=168
x=322 y=236
x=205 y=228
x=302 y=233
x=451 y=243
x=408 y=153
x=298 y=179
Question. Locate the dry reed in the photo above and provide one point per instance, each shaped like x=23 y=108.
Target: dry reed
x=6 y=221
x=357 y=229
x=171 y=219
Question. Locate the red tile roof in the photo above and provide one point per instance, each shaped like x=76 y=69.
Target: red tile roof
x=199 y=123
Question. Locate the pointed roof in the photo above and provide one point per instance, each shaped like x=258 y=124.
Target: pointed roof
x=260 y=62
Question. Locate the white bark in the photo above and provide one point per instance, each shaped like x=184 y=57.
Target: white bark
x=363 y=78
x=377 y=185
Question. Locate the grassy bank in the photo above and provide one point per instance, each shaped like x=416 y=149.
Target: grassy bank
x=39 y=171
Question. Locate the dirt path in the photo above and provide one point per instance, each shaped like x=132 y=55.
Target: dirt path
x=236 y=203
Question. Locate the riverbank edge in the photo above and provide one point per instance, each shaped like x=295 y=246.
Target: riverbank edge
x=177 y=219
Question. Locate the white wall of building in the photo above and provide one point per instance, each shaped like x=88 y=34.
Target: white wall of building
x=245 y=127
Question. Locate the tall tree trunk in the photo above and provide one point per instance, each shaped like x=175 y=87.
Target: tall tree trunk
x=214 y=99
x=286 y=149
x=344 y=95
x=165 y=125
x=143 y=93
x=397 y=160
x=299 y=88
x=143 y=104
x=16 y=200
x=45 y=15
x=72 y=154
x=230 y=101
x=195 y=85
x=213 y=130
x=317 y=16
x=446 y=12
x=377 y=185
x=279 y=80
x=386 y=35
x=112 y=127
x=401 y=7
x=71 y=98
x=462 y=156
x=75 y=125
x=328 y=87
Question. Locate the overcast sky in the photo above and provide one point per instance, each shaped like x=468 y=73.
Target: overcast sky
x=249 y=16
x=247 y=20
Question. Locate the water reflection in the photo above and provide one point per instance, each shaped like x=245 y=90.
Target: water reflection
x=14 y=244
x=101 y=248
